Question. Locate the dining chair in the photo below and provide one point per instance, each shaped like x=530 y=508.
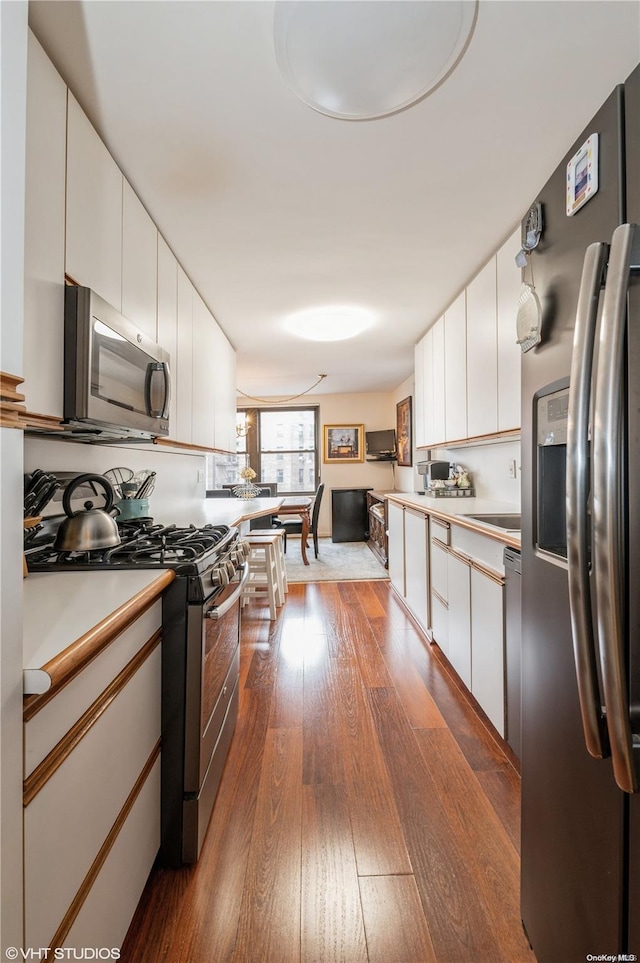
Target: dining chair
x=293 y=527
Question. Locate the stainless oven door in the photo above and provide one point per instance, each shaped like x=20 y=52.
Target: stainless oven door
x=211 y=708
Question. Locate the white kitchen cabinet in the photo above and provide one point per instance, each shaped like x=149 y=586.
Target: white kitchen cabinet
x=224 y=384
x=416 y=540
x=509 y=280
x=455 y=367
x=167 y=322
x=44 y=254
x=439 y=429
x=487 y=644
x=459 y=600
x=440 y=622
x=139 y=264
x=184 y=360
x=94 y=210
x=204 y=365
x=482 y=353
x=439 y=568
x=418 y=395
x=427 y=369
x=395 y=520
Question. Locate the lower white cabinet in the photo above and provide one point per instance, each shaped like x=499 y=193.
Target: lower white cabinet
x=92 y=801
x=487 y=645
x=396 y=546
x=416 y=529
x=440 y=622
x=459 y=598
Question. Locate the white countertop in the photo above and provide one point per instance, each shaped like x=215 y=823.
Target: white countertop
x=221 y=511
x=61 y=607
x=455 y=509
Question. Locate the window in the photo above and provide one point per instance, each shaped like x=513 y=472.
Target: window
x=283 y=448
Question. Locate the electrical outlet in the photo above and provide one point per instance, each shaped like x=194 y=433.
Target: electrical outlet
x=201 y=475
x=512 y=468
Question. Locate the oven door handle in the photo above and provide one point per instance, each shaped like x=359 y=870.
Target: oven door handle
x=217 y=612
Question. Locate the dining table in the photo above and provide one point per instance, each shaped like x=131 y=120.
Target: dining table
x=299 y=505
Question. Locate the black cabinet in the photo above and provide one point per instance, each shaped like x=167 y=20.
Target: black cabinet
x=349 y=520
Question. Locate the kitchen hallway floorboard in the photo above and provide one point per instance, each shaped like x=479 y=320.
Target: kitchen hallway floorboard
x=365 y=814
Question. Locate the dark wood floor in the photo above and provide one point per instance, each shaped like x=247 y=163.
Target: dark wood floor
x=365 y=813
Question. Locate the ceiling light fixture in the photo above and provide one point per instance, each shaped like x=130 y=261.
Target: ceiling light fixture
x=333 y=323
x=365 y=59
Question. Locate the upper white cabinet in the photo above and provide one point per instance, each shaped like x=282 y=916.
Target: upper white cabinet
x=419 y=392
x=204 y=356
x=184 y=360
x=509 y=353
x=427 y=377
x=44 y=233
x=224 y=383
x=482 y=353
x=167 y=322
x=439 y=431
x=139 y=263
x=94 y=210
x=455 y=362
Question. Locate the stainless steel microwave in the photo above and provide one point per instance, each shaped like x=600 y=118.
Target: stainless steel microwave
x=117 y=382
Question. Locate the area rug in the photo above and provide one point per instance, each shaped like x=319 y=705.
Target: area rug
x=336 y=562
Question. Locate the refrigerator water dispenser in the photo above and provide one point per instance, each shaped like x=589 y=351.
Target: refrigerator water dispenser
x=552 y=411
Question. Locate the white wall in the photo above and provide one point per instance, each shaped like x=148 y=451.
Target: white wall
x=405 y=477
x=179 y=476
x=13 y=42
x=488 y=466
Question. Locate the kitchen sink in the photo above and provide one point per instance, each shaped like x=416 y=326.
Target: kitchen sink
x=509 y=522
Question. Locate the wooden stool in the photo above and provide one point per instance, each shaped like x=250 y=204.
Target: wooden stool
x=280 y=557
x=263 y=572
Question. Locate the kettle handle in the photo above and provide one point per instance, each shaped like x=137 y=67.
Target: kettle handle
x=82 y=480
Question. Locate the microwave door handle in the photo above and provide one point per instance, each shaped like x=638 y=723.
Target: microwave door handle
x=152 y=369
x=624 y=259
x=582 y=627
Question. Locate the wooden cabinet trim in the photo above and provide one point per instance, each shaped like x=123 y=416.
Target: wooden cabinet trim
x=65 y=666
x=87 y=883
x=52 y=762
x=440 y=599
x=489 y=572
x=11 y=409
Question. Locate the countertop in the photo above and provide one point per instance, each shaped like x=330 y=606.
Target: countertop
x=455 y=510
x=69 y=616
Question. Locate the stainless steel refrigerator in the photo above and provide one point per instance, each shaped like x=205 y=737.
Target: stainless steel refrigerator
x=581 y=553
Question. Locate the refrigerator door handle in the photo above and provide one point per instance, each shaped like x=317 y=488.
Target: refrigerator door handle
x=607 y=505
x=582 y=627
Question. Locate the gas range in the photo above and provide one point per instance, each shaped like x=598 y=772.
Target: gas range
x=208 y=556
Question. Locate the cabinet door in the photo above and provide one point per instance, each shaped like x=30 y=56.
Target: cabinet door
x=440 y=623
x=204 y=362
x=509 y=353
x=439 y=569
x=487 y=646
x=94 y=210
x=184 y=359
x=224 y=383
x=167 y=324
x=427 y=369
x=46 y=137
x=438 y=369
x=416 y=571
x=139 y=264
x=396 y=546
x=455 y=367
x=418 y=393
x=482 y=353
x=459 y=588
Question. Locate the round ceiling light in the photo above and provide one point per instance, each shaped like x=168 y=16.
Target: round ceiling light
x=329 y=324
x=363 y=59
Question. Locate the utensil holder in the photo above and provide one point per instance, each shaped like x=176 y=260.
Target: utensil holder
x=132 y=508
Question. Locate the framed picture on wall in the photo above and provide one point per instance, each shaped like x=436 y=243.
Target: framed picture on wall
x=404 y=433
x=343 y=443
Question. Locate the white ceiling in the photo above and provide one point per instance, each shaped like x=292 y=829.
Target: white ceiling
x=272 y=207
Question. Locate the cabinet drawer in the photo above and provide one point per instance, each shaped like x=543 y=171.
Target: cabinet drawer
x=105 y=915
x=68 y=820
x=441 y=531
x=54 y=720
x=439 y=569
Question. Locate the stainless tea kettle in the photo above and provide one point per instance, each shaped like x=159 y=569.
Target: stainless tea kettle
x=90 y=528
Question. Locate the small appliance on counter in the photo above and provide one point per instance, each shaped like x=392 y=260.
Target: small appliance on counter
x=444 y=480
